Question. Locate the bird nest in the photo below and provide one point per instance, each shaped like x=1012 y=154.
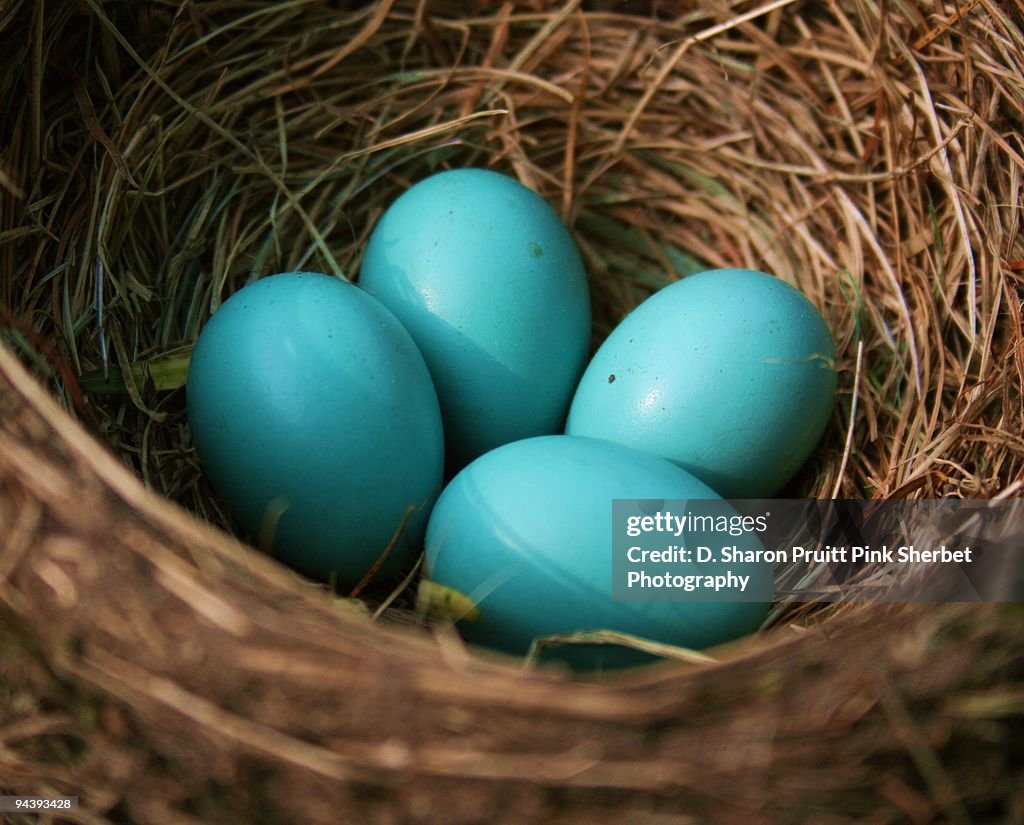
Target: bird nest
x=155 y=157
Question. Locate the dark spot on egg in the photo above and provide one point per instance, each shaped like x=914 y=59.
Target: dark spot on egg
x=536 y=250
x=611 y=378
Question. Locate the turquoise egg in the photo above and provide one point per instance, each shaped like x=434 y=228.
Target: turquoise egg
x=315 y=418
x=729 y=373
x=487 y=279
x=525 y=533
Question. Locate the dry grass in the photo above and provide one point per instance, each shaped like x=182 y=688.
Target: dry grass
x=155 y=157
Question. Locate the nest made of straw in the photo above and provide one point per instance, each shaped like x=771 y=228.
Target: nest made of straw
x=155 y=157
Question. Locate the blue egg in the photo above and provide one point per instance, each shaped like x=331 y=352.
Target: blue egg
x=729 y=373
x=525 y=532
x=487 y=279
x=315 y=418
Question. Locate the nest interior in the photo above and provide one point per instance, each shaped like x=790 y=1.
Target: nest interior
x=156 y=157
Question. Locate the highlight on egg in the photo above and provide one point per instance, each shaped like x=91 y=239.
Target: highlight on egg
x=488 y=281
x=315 y=419
x=729 y=373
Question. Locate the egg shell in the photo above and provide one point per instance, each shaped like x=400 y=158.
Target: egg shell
x=729 y=373
x=525 y=532
x=305 y=393
x=489 y=282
